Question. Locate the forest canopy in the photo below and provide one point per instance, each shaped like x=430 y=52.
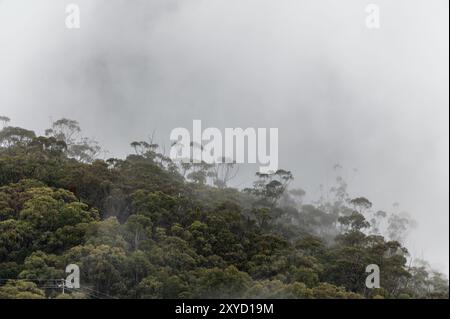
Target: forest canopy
x=148 y=227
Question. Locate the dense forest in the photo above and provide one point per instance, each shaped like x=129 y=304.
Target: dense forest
x=148 y=227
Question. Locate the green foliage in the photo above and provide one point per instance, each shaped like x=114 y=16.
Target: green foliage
x=15 y=136
x=144 y=227
x=21 y=290
x=68 y=131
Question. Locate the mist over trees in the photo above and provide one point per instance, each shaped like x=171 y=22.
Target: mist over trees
x=146 y=227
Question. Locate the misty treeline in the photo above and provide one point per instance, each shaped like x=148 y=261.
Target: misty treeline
x=146 y=227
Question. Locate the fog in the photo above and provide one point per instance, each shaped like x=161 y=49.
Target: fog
x=375 y=100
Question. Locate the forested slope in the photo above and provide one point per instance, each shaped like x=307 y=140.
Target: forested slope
x=145 y=227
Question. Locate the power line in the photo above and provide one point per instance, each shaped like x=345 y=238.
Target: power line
x=53 y=283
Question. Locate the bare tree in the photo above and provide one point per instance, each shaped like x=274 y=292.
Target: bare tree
x=223 y=172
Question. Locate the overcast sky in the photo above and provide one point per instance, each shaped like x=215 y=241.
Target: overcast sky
x=371 y=99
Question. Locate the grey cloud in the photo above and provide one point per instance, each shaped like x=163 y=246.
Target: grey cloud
x=375 y=100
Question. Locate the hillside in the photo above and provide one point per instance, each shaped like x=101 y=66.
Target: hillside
x=146 y=227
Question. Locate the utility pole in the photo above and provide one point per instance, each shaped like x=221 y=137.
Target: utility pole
x=63 y=285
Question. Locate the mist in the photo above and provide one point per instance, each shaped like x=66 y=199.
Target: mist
x=374 y=100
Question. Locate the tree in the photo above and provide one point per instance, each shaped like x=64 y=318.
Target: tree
x=11 y=136
x=102 y=266
x=48 y=209
x=143 y=227
x=69 y=132
x=21 y=290
x=398 y=226
x=354 y=222
x=270 y=187
x=263 y=216
x=361 y=204
x=138 y=230
x=5 y=120
x=42 y=267
x=223 y=172
x=218 y=283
